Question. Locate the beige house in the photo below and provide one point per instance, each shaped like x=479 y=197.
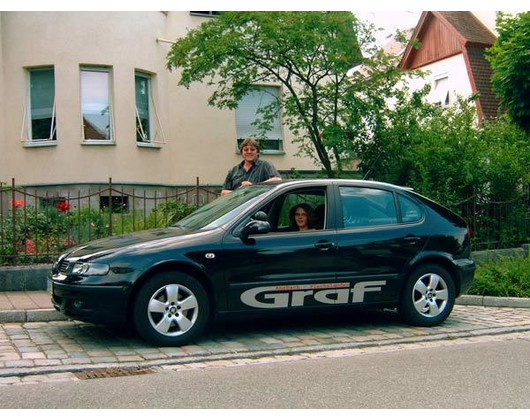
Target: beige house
x=85 y=96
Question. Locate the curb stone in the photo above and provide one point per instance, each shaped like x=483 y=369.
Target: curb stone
x=492 y=301
x=31 y=315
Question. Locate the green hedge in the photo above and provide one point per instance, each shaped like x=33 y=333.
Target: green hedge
x=503 y=277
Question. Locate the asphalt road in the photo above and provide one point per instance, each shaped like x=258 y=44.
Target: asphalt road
x=494 y=374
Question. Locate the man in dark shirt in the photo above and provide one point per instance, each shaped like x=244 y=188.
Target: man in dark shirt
x=251 y=170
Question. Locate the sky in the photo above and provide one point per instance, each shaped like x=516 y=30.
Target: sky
x=389 y=21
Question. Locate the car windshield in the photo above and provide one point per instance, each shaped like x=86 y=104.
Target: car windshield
x=225 y=208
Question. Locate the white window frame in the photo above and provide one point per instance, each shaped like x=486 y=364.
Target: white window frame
x=101 y=69
x=205 y=14
x=27 y=130
x=441 y=97
x=148 y=137
x=156 y=137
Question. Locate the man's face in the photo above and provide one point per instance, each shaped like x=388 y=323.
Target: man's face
x=249 y=153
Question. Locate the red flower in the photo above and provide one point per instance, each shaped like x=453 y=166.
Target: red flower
x=30 y=247
x=69 y=242
x=63 y=206
x=19 y=202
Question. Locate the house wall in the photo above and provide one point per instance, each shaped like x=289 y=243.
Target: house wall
x=458 y=79
x=2 y=125
x=200 y=140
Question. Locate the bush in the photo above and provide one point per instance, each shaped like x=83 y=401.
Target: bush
x=42 y=234
x=443 y=154
x=509 y=60
x=169 y=213
x=504 y=277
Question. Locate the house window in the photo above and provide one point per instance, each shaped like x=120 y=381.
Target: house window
x=42 y=118
x=440 y=91
x=96 y=104
x=206 y=14
x=143 y=116
x=263 y=100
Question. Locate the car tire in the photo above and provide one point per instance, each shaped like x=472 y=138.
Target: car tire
x=428 y=296
x=171 y=309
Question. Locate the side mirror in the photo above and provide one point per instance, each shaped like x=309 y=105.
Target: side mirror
x=261 y=216
x=258 y=226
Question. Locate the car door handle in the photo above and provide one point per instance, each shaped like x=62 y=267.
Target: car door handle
x=324 y=245
x=412 y=239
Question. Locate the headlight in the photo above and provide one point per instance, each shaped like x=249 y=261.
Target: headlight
x=55 y=266
x=90 y=269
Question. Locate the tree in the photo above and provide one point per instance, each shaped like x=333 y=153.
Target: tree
x=329 y=110
x=510 y=60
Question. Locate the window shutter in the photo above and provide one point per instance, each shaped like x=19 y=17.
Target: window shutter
x=247 y=114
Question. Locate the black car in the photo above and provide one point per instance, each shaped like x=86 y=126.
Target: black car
x=368 y=244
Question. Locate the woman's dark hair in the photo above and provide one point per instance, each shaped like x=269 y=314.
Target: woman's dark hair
x=312 y=219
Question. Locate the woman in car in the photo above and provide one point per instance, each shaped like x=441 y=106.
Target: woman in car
x=303 y=217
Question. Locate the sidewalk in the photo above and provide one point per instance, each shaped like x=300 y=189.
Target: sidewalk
x=35 y=306
x=25 y=300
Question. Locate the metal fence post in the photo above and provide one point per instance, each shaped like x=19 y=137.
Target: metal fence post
x=110 y=207
x=197 y=193
x=14 y=213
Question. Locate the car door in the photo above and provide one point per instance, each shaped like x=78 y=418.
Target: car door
x=282 y=269
x=375 y=243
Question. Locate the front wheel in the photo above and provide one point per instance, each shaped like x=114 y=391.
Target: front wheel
x=428 y=296
x=171 y=309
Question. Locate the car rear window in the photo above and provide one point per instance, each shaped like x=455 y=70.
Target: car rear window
x=367 y=207
x=410 y=211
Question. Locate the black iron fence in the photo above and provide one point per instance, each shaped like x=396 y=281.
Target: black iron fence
x=36 y=226
x=496 y=224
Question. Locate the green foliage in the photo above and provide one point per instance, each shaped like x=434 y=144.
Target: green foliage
x=510 y=60
x=427 y=147
x=443 y=154
x=43 y=234
x=310 y=54
x=505 y=277
x=169 y=213
x=506 y=159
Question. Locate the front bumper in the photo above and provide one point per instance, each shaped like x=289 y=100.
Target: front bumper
x=97 y=304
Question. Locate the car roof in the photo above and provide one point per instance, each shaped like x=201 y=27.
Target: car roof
x=332 y=181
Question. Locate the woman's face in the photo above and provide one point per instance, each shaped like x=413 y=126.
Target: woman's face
x=301 y=218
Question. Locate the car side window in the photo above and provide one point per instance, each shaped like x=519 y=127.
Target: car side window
x=410 y=211
x=282 y=211
x=362 y=207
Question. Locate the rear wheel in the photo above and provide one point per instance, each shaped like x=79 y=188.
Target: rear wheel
x=171 y=309
x=428 y=296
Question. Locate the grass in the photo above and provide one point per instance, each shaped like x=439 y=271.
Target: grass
x=503 y=277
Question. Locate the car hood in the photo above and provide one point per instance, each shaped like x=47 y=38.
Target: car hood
x=110 y=245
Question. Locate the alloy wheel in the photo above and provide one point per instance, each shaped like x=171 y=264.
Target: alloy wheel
x=173 y=310
x=430 y=295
